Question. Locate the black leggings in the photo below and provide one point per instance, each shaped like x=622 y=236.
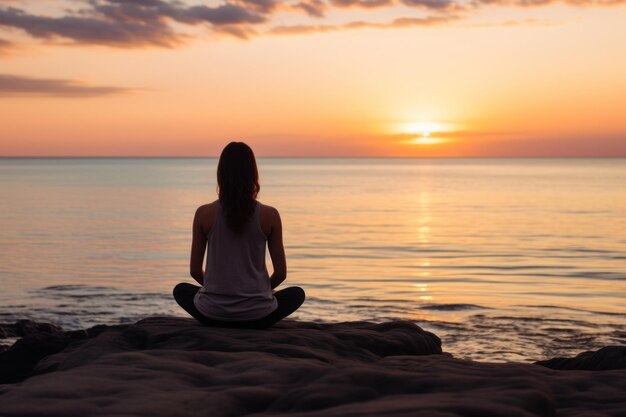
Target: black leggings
x=288 y=300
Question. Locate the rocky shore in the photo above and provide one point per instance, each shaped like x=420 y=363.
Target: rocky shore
x=167 y=366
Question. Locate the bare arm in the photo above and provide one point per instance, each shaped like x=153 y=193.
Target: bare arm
x=277 y=249
x=198 y=246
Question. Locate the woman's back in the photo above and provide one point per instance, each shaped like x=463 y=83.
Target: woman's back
x=236 y=282
x=234 y=232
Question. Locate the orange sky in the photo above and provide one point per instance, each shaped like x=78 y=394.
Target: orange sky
x=313 y=77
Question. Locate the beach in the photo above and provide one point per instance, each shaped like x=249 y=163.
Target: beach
x=167 y=366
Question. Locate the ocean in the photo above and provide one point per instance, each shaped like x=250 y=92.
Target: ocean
x=504 y=259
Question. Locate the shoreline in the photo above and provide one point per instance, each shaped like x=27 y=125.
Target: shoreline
x=173 y=366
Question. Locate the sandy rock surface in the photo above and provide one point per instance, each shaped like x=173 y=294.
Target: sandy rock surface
x=167 y=366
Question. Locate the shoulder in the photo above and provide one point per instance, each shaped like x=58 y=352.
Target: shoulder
x=268 y=211
x=269 y=219
x=205 y=215
x=207 y=209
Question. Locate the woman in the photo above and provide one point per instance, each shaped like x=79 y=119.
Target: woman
x=234 y=231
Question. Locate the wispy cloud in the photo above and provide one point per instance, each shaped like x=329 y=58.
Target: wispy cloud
x=5 y=46
x=314 y=8
x=89 y=30
x=14 y=85
x=161 y=23
x=368 y=4
x=135 y=23
x=397 y=23
x=539 y=3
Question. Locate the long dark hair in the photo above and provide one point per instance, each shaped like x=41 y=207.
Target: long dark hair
x=238 y=184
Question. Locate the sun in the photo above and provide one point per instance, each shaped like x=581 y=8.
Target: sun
x=423 y=133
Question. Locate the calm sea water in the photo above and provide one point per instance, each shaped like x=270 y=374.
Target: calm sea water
x=509 y=259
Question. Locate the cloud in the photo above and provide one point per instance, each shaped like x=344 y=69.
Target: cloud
x=302 y=29
x=131 y=23
x=163 y=23
x=157 y=11
x=516 y=22
x=405 y=22
x=540 y=3
x=87 y=30
x=430 y=4
x=427 y=4
x=5 y=46
x=263 y=6
x=314 y=8
x=238 y=31
x=397 y=23
x=14 y=85
x=368 y=4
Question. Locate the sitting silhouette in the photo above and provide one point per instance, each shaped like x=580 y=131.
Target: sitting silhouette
x=234 y=231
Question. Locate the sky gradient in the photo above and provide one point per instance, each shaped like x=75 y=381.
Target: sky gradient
x=431 y=78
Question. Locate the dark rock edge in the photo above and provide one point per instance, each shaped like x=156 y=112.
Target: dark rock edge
x=40 y=340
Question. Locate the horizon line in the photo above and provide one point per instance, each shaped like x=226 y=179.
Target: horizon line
x=303 y=157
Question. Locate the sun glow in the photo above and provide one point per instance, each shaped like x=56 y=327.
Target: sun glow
x=423 y=133
x=422 y=128
x=425 y=140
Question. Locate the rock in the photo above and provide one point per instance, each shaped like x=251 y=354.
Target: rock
x=23 y=328
x=40 y=340
x=609 y=357
x=167 y=366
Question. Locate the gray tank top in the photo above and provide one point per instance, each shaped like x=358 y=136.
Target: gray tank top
x=236 y=281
